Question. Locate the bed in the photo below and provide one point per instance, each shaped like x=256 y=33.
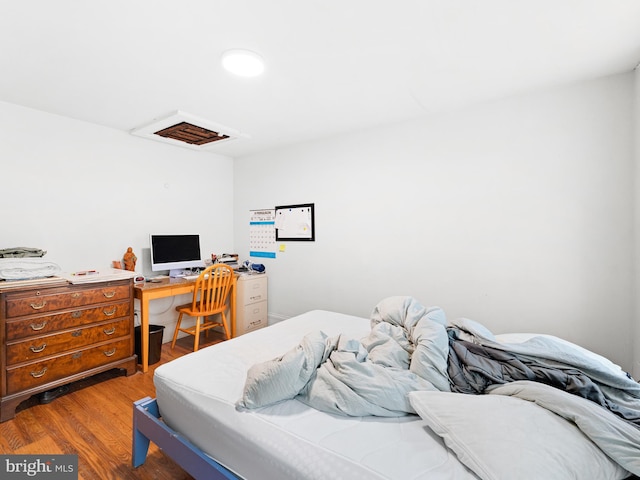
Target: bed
x=202 y=419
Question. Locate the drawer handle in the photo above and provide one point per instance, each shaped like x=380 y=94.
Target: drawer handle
x=38 y=306
x=76 y=295
x=109 y=331
x=77 y=333
x=38 y=349
x=110 y=294
x=38 y=326
x=76 y=314
x=40 y=373
x=77 y=355
x=110 y=353
x=110 y=313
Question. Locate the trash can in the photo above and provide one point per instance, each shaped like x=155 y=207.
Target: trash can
x=155 y=343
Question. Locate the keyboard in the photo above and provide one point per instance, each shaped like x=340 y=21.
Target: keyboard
x=191 y=277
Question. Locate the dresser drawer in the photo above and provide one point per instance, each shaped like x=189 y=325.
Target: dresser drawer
x=54 y=334
x=45 y=345
x=43 y=324
x=50 y=300
x=39 y=373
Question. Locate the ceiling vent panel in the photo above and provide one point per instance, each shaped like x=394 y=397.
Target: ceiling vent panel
x=186 y=130
x=192 y=134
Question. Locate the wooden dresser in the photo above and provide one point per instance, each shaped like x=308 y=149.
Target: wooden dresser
x=51 y=336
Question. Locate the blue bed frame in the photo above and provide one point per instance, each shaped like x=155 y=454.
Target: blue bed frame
x=148 y=426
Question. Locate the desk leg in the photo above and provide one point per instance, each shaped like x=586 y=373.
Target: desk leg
x=144 y=333
x=233 y=309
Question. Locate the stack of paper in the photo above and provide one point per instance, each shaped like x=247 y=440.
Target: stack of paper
x=92 y=276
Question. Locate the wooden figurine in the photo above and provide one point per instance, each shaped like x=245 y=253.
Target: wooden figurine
x=130 y=260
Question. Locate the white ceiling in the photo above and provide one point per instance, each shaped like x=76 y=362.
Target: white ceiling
x=333 y=66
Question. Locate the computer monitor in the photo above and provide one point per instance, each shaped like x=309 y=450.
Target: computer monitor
x=175 y=253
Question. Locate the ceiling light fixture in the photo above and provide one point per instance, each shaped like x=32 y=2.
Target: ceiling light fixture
x=243 y=62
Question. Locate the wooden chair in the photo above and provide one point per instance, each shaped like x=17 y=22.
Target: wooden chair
x=209 y=298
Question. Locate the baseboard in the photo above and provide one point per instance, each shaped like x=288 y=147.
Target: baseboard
x=275 y=318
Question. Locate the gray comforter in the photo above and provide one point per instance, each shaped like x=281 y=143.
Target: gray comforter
x=474 y=367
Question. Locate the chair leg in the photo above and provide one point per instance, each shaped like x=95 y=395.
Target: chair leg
x=225 y=326
x=175 y=333
x=196 y=340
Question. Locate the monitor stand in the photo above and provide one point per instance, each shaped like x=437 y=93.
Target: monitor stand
x=177 y=272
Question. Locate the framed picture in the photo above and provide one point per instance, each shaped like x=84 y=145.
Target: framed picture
x=295 y=222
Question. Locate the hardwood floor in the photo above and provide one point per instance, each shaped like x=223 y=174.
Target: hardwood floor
x=94 y=420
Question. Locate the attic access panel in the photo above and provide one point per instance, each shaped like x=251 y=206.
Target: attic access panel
x=189 y=133
x=185 y=130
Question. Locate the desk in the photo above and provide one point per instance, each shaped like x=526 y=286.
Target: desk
x=168 y=287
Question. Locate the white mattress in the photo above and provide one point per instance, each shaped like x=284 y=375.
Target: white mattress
x=197 y=395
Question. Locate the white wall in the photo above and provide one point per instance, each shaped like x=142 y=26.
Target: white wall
x=85 y=193
x=517 y=214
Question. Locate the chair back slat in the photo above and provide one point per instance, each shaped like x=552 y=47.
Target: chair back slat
x=212 y=288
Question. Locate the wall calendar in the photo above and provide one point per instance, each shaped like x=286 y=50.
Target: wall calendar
x=262 y=233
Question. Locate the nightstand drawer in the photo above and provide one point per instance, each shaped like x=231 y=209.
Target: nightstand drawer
x=53 y=322
x=45 y=345
x=46 y=301
x=39 y=373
